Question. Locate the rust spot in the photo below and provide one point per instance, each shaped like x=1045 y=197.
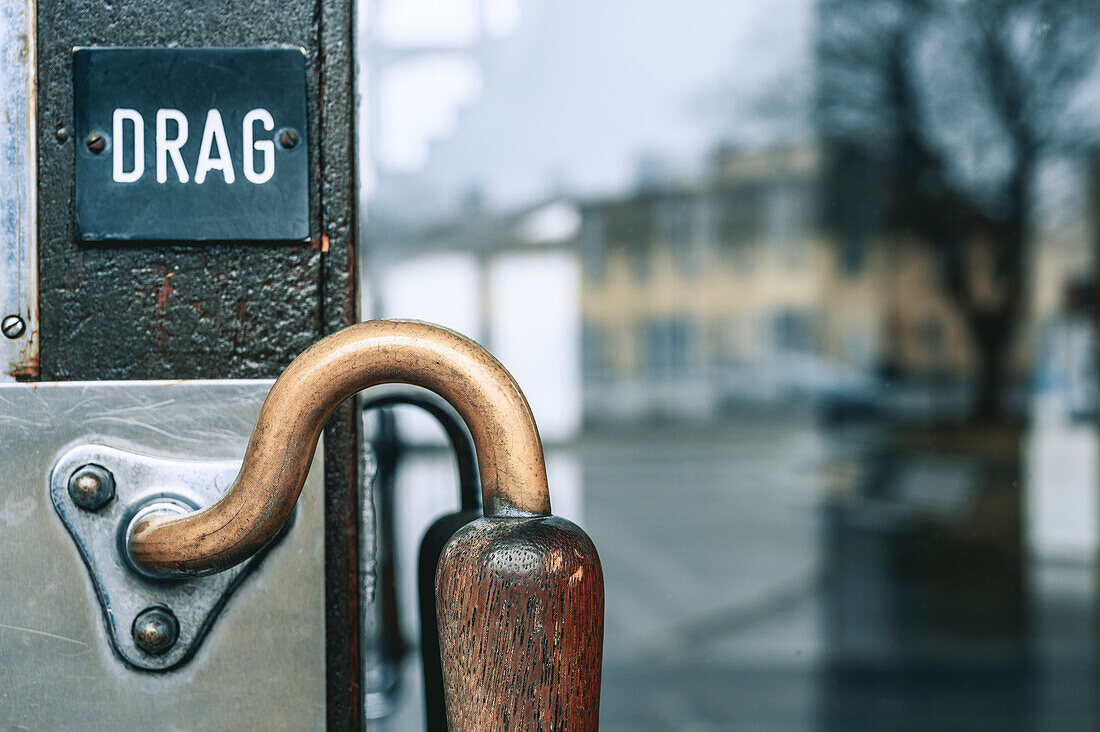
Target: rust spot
x=165 y=291
x=160 y=330
x=74 y=273
x=352 y=284
x=28 y=371
x=240 y=339
x=324 y=243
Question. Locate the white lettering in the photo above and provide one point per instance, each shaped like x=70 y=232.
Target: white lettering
x=214 y=133
x=267 y=147
x=214 y=153
x=118 y=145
x=166 y=147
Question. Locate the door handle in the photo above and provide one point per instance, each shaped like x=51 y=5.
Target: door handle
x=519 y=592
x=250 y=514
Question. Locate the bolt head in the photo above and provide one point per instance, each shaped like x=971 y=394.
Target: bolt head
x=91 y=487
x=96 y=143
x=13 y=326
x=62 y=133
x=288 y=138
x=155 y=630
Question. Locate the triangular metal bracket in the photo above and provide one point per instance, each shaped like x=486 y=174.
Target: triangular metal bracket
x=100 y=535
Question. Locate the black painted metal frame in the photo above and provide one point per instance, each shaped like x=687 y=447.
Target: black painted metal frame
x=225 y=310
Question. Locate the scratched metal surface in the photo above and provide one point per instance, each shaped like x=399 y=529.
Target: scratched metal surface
x=18 y=194
x=261 y=667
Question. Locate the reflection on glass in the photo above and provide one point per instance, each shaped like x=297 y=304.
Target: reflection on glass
x=802 y=294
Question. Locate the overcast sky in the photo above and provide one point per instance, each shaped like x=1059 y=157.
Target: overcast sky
x=569 y=94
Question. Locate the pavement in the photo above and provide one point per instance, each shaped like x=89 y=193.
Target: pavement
x=736 y=600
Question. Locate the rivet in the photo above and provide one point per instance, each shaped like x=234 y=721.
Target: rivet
x=91 y=487
x=155 y=630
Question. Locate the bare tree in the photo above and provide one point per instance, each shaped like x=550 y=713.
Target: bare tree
x=951 y=106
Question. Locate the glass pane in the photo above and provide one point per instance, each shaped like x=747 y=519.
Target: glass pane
x=802 y=295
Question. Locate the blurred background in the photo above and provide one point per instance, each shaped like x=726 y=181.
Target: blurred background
x=802 y=294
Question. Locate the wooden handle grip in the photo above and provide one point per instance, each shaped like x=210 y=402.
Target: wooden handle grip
x=520 y=603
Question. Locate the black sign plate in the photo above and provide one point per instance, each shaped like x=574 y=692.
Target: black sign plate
x=178 y=144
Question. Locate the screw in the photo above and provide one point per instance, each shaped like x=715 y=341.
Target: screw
x=96 y=143
x=62 y=133
x=288 y=138
x=91 y=487
x=155 y=630
x=13 y=326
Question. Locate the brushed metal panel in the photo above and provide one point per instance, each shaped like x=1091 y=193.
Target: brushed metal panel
x=262 y=664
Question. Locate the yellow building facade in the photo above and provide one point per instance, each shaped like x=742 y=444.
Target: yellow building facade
x=730 y=289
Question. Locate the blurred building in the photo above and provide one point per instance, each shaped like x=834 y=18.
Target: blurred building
x=734 y=289
x=724 y=291
x=731 y=288
x=690 y=288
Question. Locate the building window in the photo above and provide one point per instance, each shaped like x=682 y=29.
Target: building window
x=629 y=228
x=786 y=223
x=740 y=217
x=703 y=231
x=675 y=224
x=593 y=354
x=593 y=244
x=852 y=255
x=670 y=347
x=739 y=223
x=794 y=331
x=930 y=337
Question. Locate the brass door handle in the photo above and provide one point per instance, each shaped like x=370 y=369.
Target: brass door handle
x=519 y=593
x=257 y=505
